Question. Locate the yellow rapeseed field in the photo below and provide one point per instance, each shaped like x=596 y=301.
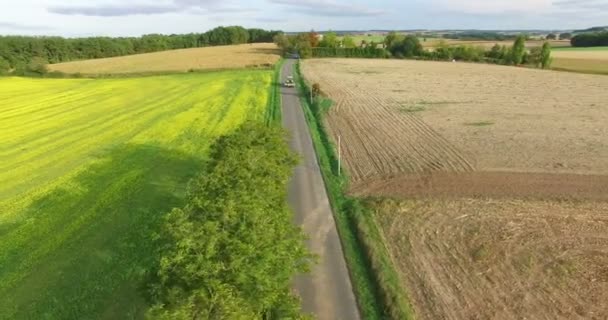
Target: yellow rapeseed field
x=87 y=170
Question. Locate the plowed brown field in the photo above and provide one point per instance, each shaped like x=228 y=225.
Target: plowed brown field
x=505 y=172
x=397 y=118
x=500 y=259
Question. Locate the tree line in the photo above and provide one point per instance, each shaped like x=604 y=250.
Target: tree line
x=232 y=251
x=312 y=44
x=20 y=54
x=400 y=46
x=594 y=39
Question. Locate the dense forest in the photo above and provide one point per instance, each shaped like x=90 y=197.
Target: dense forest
x=595 y=39
x=18 y=52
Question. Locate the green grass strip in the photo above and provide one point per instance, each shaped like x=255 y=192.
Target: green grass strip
x=374 y=279
x=273 y=110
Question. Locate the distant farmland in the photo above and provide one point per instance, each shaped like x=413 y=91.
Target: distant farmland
x=183 y=60
x=88 y=168
x=590 y=60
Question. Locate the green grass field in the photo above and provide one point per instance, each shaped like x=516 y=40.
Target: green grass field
x=580 y=49
x=587 y=60
x=359 y=39
x=88 y=168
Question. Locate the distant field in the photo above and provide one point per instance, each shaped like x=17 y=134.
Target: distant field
x=223 y=57
x=374 y=38
x=581 y=49
x=433 y=42
x=88 y=168
x=590 y=60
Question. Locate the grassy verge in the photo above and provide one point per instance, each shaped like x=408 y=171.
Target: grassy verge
x=273 y=111
x=374 y=279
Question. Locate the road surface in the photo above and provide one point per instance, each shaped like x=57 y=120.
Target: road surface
x=326 y=292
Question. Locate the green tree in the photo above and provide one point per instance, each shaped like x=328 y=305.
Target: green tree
x=5 y=66
x=282 y=41
x=518 y=51
x=330 y=40
x=233 y=250
x=551 y=36
x=545 y=56
x=348 y=42
x=409 y=47
x=390 y=39
x=313 y=38
x=37 y=65
x=565 y=36
x=301 y=44
x=535 y=56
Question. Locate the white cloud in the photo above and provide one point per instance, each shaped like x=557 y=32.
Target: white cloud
x=493 y=6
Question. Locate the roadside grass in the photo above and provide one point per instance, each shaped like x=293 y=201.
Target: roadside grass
x=374 y=279
x=273 y=110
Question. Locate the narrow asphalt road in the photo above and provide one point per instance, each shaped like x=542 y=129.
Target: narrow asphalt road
x=326 y=292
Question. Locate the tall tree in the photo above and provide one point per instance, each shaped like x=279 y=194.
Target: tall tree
x=518 y=51
x=545 y=55
x=313 y=38
x=330 y=40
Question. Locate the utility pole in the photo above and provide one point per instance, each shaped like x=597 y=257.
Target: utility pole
x=311 y=95
x=339 y=155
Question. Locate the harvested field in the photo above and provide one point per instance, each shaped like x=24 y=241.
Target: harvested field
x=590 y=60
x=222 y=57
x=433 y=42
x=500 y=259
x=412 y=120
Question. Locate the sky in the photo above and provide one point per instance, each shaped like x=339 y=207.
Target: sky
x=76 y=18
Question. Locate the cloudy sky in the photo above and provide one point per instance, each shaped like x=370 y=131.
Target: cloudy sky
x=136 y=17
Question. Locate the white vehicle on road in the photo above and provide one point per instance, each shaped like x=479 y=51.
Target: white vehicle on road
x=289 y=83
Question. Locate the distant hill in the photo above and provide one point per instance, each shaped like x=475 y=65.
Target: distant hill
x=593 y=29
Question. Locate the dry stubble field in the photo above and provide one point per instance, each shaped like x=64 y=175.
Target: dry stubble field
x=415 y=122
x=506 y=174
x=214 y=58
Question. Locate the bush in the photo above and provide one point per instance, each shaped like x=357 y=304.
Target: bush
x=367 y=52
x=38 y=66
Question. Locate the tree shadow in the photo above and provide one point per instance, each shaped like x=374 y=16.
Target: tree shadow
x=83 y=249
x=269 y=51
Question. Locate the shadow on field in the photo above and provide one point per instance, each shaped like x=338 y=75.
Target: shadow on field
x=269 y=51
x=84 y=249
